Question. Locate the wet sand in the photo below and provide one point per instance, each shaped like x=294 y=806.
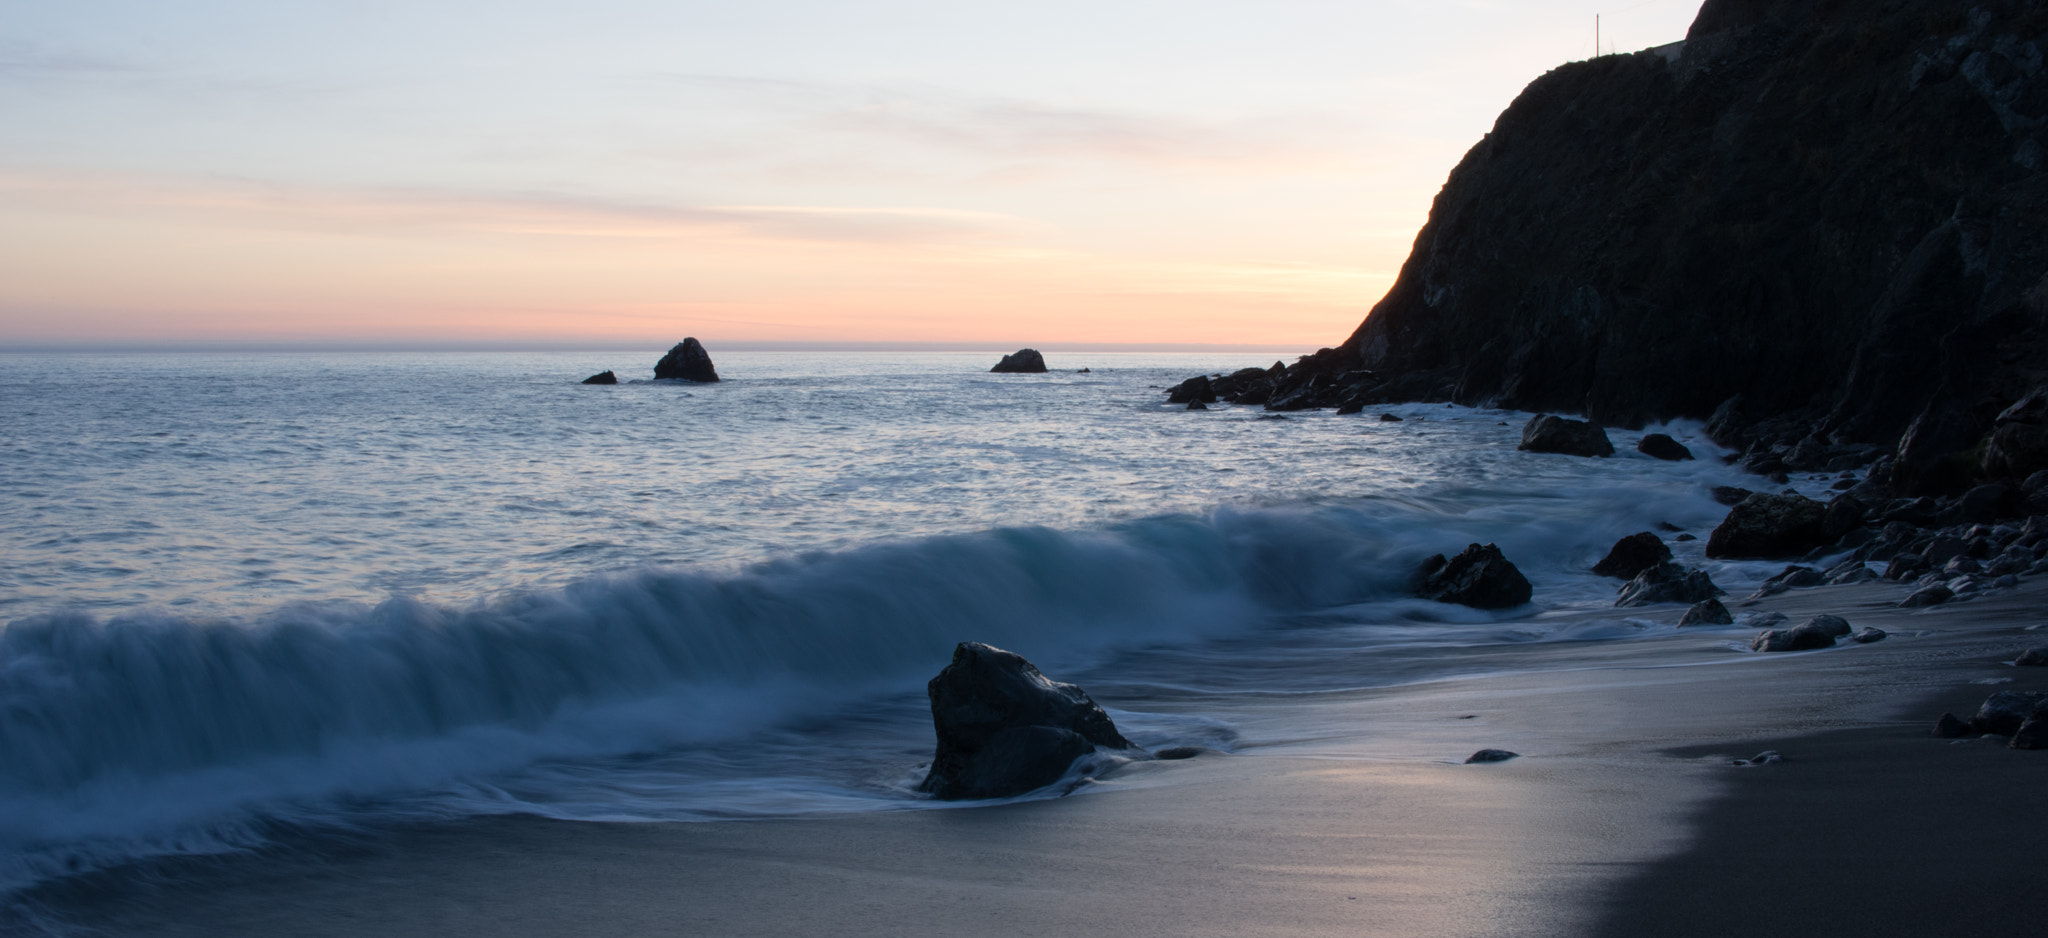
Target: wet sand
x=1623 y=818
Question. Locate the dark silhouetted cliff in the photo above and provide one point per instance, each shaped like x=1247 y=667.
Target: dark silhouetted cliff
x=1833 y=210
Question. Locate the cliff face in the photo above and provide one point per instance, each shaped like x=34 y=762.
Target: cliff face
x=1834 y=209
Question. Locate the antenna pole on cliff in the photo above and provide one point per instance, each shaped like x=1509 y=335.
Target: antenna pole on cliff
x=1596 y=35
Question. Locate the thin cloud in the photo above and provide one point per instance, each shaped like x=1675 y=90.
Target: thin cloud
x=1010 y=130
x=404 y=211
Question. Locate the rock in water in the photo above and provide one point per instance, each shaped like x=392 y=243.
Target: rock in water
x=1951 y=726
x=1868 y=634
x=602 y=377
x=1706 y=612
x=2033 y=658
x=686 y=362
x=1022 y=361
x=1763 y=526
x=1005 y=729
x=1668 y=583
x=1663 y=447
x=1491 y=755
x=1632 y=555
x=1551 y=434
x=1478 y=577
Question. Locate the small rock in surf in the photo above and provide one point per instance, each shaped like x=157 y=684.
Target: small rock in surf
x=1491 y=755
x=1479 y=577
x=602 y=377
x=1005 y=729
x=1546 y=433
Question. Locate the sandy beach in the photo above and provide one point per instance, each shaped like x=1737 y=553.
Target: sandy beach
x=1623 y=817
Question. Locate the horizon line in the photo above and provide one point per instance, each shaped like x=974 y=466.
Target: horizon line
x=357 y=346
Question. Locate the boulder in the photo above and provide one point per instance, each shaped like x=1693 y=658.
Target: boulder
x=1550 y=434
x=1668 y=583
x=1195 y=390
x=1479 y=577
x=1834 y=626
x=1951 y=726
x=1730 y=495
x=2033 y=658
x=1663 y=447
x=1792 y=577
x=1803 y=638
x=1706 y=612
x=1933 y=594
x=1988 y=502
x=1868 y=634
x=686 y=362
x=1491 y=755
x=1020 y=362
x=1197 y=405
x=1632 y=555
x=2032 y=734
x=1005 y=729
x=1763 y=526
x=2003 y=713
x=602 y=377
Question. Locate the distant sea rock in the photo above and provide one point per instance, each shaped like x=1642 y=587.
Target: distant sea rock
x=602 y=377
x=1021 y=361
x=1005 y=729
x=688 y=361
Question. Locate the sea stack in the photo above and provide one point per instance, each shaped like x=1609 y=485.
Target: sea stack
x=686 y=362
x=1022 y=361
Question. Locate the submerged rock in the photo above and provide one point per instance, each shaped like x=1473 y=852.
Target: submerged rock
x=1024 y=361
x=1765 y=526
x=1632 y=555
x=1546 y=433
x=1479 y=577
x=602 y=377
x=1491 y=755
x=1668 y=583
x=1706 y=612
x=2033 y=658
x=1663 y=447
x=1868 y=634
x=1005 y=729
x=688 y=361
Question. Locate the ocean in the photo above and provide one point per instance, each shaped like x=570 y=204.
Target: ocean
x=252 y=600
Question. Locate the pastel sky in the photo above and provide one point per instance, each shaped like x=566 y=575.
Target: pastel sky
x=630 y=171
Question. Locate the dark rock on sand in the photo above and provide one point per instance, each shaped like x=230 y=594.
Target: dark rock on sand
x=1668 y=583
x=1546 y=433
x=1491 y=755
x=1988 y=502
x=1793 y=577
x=2033 y=658
x=2004 y=712
x=1931 y=595
x=1479 y=577
x=1868 y=634
x=1834 y=626
x=1663 y=447
x=1764 y=526
x=1005 y=729
x=1951 y=726
x=1179 y=752
x=1706 y=612
x=1021 y=361
x=1803 y=638
x=688 y=361
x=602 y=377
x=1632 y=555
x=2032 y=734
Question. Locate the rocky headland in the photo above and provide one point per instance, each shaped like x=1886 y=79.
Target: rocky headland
x=1815 y=224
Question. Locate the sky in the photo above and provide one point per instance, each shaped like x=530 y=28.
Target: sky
x=626 y=172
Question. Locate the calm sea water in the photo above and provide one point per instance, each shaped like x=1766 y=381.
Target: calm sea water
x=252 y=595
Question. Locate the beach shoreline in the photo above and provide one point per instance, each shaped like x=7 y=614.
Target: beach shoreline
x=1624 y=816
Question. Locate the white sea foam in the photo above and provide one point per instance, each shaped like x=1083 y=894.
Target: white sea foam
x=627 y=604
